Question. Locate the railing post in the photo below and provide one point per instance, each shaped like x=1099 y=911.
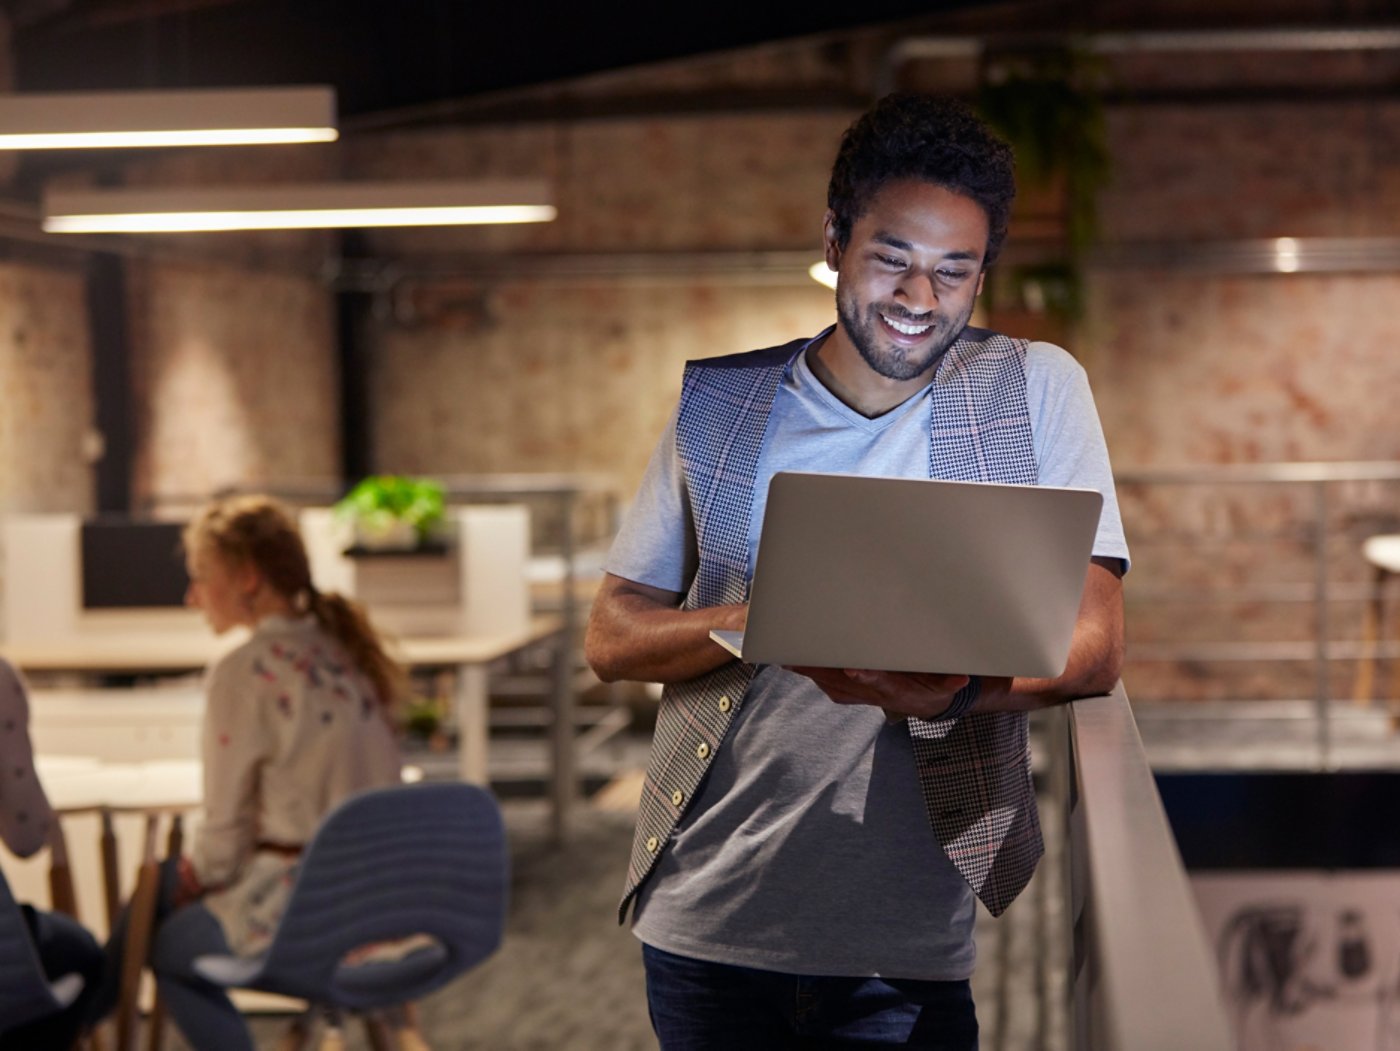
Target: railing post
x=1324 y=707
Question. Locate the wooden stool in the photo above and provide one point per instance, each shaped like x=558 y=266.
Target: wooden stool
x=1383 y=554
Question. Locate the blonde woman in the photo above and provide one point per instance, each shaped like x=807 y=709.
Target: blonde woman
x=296 y=719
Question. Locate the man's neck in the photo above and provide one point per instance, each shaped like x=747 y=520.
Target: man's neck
x=838 y=366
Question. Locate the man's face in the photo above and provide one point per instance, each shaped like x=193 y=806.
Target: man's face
x=909 y=276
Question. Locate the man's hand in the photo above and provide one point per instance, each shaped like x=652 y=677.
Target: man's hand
x=900 y=694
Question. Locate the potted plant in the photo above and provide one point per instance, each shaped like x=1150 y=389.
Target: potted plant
x=393 y=512
x=422 y=720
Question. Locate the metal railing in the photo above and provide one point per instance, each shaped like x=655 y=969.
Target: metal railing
x=1319 y=480
x=1142 y=973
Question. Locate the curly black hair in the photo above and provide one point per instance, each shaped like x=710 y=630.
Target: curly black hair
x=927 y=137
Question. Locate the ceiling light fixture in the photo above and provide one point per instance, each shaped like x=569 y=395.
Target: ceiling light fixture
x=1285 y=255
x=201 y=117
x=302 y=206
x=822 y=274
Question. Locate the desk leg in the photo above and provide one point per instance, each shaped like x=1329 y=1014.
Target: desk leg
x=473 y=723
x=563 y=785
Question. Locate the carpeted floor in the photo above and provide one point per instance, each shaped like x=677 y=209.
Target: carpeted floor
x=568 y=978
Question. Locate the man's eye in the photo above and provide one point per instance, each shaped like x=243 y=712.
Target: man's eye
x=952 y=275
x=890 y=260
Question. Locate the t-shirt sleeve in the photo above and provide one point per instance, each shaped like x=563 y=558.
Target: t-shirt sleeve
x=25 y=815
x=1069 y=443
x=656 y=542
x=235 y=746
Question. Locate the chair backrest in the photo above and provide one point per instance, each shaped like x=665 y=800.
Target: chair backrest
x=386 y=864
x=25 y=994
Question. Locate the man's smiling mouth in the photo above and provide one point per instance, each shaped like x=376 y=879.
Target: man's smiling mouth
x=904 y=327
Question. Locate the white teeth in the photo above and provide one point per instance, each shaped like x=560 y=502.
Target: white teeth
x=906 y=329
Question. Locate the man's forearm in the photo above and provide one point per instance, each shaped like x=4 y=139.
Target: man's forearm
x=638 y=633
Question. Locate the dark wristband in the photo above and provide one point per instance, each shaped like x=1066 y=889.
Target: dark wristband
x=964 y=699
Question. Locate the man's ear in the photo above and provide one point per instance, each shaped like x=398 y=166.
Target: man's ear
x=829 y=243
x=981 y=280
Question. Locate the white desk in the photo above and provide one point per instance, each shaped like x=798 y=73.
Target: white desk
x=469 y=657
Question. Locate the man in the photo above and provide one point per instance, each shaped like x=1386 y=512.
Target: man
x=811 y=840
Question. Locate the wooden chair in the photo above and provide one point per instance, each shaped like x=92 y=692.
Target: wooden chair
x=141 y=918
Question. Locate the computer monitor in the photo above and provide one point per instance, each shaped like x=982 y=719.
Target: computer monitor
x=132 y=564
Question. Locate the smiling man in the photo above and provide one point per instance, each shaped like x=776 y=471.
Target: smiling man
x=812 y=842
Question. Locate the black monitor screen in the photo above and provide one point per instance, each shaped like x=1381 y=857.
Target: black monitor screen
x=132 y=564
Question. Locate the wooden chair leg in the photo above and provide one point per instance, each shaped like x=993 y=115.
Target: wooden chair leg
x=62 y=897
x=140 y=919
x=298 y=1034
x=334 y=1037
x=1393 y=696
x=409 y=1035
x=155 y=1025
x=155 y=1028
x=111 y=876
x=1363 y=690
x=175 y=840
x=377 y=1032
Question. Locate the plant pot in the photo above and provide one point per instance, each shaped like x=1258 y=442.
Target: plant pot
x=385 y=534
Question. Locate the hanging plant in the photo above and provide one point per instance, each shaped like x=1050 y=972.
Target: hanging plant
x=1048 y=104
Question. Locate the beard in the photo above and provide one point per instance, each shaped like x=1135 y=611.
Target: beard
x=894 y=362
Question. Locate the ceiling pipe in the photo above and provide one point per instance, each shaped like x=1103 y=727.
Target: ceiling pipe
x=1373 y=38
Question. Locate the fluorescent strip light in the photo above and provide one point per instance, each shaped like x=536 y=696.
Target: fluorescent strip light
x=298 y=207
x=822 y=274
x=236 y=117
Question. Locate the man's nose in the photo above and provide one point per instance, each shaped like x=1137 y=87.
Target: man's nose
x=917 y=293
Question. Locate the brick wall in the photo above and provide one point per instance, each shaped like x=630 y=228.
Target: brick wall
x=1194 y=368
x=45 y=393
x=235 y=380
x=46 y=412
x=540 y=374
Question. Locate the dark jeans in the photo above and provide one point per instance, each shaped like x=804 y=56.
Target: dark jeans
x=64 y=947
x=700 y=1006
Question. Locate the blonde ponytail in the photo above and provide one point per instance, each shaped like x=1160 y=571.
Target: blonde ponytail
x=347 y=622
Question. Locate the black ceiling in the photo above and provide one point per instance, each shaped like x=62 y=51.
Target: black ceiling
x=389 y=54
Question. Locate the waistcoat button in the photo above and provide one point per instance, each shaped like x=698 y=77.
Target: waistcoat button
x=677 y=797
x=724 y=704
x=652 y=844
x=702 y=750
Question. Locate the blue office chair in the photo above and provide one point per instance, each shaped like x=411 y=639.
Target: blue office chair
x=386 y=865
x=27 y=995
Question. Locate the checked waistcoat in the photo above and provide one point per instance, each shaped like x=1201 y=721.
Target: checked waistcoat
x=974 y=772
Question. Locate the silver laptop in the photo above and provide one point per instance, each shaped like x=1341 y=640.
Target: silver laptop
x=908 y=574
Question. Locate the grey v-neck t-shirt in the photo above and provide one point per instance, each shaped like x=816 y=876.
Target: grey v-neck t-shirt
x=807 y=848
